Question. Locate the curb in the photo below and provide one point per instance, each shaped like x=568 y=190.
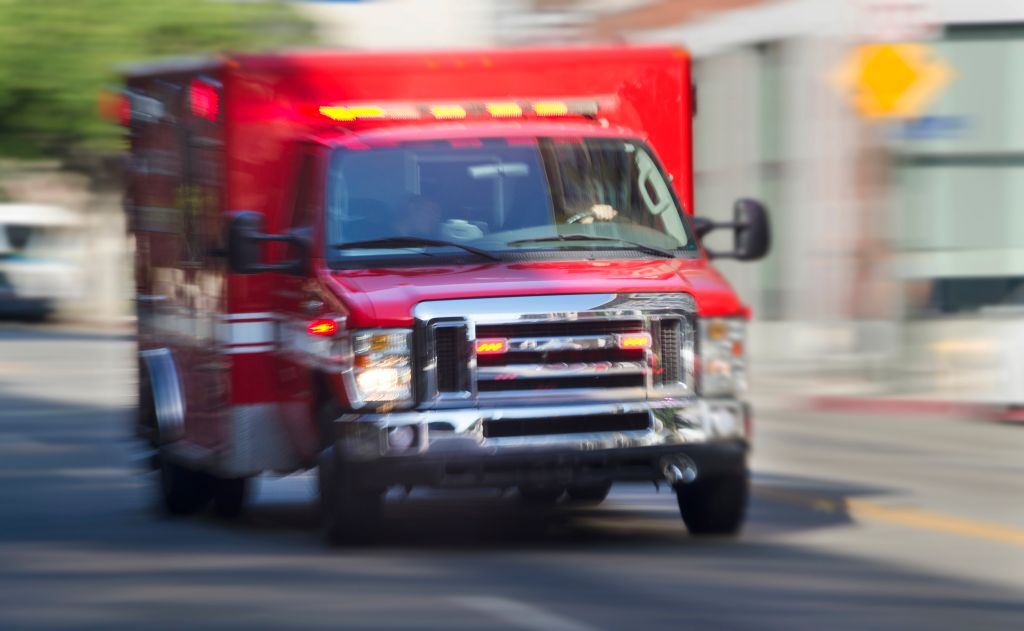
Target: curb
x=916 y=407
x=893 y=405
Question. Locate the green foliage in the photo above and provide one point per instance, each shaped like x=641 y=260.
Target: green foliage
x=57 y=55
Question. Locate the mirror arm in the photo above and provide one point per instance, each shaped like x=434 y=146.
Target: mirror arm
x=713 y=254
x=284 y=266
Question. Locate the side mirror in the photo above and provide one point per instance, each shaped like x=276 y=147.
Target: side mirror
x=751 y=231
x=244 y=252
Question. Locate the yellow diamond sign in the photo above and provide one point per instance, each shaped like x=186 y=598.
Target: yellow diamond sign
x=892 y=80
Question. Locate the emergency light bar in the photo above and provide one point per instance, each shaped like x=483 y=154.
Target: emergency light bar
x=460 y=111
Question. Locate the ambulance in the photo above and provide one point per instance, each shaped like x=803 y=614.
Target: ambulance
x=434 y=269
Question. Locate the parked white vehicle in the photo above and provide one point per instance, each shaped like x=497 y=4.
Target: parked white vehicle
x=40 y=252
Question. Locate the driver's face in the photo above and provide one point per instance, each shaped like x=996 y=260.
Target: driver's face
x=424 y=217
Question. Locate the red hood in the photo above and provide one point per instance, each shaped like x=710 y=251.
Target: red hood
x=386 y=297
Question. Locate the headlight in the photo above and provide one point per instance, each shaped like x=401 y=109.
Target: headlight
x=723 y=370
x=382 y=365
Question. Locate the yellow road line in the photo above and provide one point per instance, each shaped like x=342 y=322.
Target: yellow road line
x=904 y=516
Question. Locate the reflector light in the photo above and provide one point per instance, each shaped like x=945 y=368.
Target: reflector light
x=717 y=330
x=504 y=110
x=634 y=341
x=491 y=346
x=116 y=106
x=550 y=108
x=322 y=327
x=448 y=112
x=204 y=101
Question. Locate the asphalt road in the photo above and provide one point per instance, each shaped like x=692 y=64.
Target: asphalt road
x=856 y=522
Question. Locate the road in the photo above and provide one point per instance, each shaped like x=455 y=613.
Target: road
x=856 y=522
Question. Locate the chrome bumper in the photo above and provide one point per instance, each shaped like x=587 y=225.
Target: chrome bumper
x=440 y=444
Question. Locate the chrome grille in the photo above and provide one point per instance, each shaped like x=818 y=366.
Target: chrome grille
x=505 y=428
x=556 y=348
x=558 y=329
x=560 y=356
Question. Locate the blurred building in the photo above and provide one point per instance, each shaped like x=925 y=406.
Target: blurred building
x=898 y=252
x=396 y=24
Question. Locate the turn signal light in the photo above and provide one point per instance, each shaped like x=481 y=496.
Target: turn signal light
x=491 y=346
x=634 y=341
x=322 y=327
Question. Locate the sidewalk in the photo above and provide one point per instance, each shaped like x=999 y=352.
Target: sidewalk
x=789 y=387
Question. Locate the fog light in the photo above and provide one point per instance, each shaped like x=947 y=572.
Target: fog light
x=724 y=423
x=401 y=438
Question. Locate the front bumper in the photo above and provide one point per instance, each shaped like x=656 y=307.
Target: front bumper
x=468 y=448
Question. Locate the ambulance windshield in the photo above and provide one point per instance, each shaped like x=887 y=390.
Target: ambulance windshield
x=502 y=196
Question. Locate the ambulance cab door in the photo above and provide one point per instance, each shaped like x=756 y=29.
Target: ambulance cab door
x=298 y=301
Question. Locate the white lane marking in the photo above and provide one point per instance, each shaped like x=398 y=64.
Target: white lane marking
x=519 y=614
x=69 y=412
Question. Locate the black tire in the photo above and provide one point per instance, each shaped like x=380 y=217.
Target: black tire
x=229 y=496
x=349 y=514
x=714 y=506
x=540 y=494
x=183 y=491
x=593 y=493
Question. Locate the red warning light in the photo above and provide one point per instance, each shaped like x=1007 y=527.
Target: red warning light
x=204 y=100
x=322 y=327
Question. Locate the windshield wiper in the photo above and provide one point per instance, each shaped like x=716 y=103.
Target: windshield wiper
x=412 y=242
x=649 y=249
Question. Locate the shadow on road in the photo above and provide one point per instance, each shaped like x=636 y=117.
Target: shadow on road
x=79 y=542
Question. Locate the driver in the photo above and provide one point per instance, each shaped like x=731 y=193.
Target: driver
x=421 y=218
x=597 y=212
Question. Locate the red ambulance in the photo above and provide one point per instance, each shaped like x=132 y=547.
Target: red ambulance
x=445 y=269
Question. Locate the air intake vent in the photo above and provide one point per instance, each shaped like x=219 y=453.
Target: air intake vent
x=450 y=349
x=669 y=347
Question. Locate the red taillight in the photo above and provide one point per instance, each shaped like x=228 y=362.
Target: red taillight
x=634 y=341
x=491 y=346
x=322 y=327
x=204 y=100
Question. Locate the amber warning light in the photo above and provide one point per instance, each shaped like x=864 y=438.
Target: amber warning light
x=458 y=111
x=491 y=346
x=634 y=341
x=322 y=327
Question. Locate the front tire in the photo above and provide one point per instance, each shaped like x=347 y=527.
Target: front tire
x=229 y=496
x=714 y=506
x=349 y=514
x=183 y=491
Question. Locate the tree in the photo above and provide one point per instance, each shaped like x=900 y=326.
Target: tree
x=57 y=55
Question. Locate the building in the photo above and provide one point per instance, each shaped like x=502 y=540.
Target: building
x=898 y=250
